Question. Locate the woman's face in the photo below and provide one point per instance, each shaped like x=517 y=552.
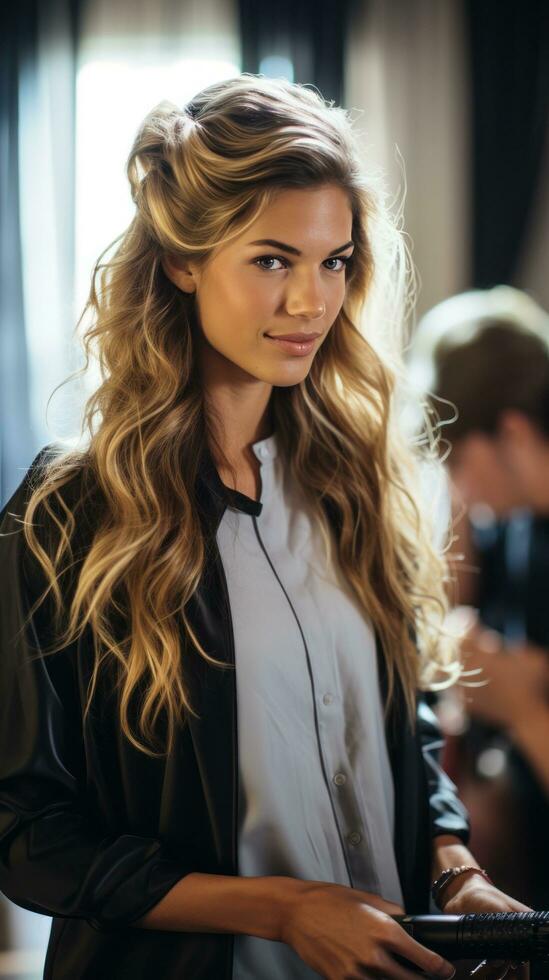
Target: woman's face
x=248 y=290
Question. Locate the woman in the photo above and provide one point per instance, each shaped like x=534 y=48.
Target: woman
x=241 y=502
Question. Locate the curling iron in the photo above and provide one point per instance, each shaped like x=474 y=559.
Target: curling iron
x=515 y=936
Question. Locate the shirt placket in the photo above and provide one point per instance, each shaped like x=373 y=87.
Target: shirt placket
x=352 y=824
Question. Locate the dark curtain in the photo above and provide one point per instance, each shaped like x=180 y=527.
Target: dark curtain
x=509 y=51
x=16 y=46
x=310 y=33
x=29 y=32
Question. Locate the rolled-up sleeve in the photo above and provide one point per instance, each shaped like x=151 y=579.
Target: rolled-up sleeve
x=53 y=858
x=448 y=815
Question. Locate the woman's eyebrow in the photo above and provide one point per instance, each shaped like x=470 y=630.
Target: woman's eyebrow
x=292 y=249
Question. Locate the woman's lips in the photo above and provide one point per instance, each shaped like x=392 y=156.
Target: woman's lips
x=293 y=346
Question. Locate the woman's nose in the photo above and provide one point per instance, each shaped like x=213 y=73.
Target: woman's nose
x=307 y=303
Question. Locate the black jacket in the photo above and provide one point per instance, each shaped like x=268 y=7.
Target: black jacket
x=94 y=832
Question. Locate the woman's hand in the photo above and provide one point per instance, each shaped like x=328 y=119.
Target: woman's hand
x=347 y=934
x=472 y=893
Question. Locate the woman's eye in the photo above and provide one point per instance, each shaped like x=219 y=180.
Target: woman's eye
x=267 y=258
x=339 y=258
x=278 y=258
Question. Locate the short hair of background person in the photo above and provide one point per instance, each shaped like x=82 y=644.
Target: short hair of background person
x=484 y=356
x=482 y=360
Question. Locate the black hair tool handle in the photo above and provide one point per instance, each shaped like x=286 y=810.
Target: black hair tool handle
x=514 y=936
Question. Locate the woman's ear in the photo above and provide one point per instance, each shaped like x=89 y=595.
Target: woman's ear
x=180 y=271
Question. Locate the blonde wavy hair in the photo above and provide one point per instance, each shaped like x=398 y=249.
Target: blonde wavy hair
x=199 y=176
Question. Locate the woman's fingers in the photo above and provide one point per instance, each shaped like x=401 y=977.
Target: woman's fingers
x=431 y=963
x=387 y=967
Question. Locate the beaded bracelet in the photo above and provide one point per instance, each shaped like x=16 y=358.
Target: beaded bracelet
x=448 y=875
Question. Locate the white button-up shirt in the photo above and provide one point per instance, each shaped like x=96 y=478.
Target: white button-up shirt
x=316 y=797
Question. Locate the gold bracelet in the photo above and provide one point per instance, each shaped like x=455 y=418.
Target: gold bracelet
x=448 y=875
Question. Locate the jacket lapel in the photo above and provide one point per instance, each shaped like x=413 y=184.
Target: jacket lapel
x=411 y=803
x=213 y=690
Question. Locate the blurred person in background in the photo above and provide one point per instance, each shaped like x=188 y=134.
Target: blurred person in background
x=484 y=356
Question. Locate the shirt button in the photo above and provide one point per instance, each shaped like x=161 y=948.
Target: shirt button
x=328 y=698
x=340 y=778
x=355 y=837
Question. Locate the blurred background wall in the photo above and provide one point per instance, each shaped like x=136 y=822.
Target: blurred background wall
x=451 y=99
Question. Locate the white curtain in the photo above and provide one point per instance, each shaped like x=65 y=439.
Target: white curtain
x=132 y=55
x=46 y=212
x=406 y=72
x=74 y=195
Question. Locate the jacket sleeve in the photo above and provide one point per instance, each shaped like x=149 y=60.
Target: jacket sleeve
x=447 y=812
x=53 y=860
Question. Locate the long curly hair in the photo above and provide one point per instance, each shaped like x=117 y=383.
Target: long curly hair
x=199 y=176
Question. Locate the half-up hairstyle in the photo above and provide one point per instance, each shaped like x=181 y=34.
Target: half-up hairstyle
x=200 y=176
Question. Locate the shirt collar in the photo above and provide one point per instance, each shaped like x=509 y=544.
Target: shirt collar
x=218 y=496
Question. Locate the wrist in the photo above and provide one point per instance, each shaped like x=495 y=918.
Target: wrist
x=290 y=893
x=463 y=881
x=449 y=851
